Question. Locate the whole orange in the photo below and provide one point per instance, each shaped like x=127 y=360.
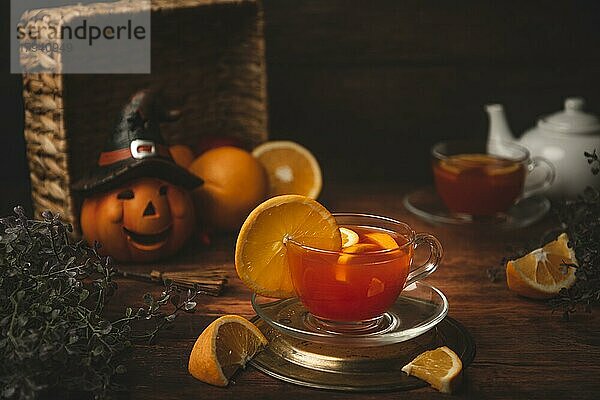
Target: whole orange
x=182 y=155
x=234 y=183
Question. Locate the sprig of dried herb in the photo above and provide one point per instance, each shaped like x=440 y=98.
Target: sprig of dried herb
x=54 y=335
x=581 y=219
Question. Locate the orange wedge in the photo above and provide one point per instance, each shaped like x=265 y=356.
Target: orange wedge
x=292 y=169
x=542 y=273
x=440 y=368
x=260 y=252
x=225 y=345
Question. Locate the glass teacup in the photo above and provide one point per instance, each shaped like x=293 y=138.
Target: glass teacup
x=350 y=291
x=481 y=178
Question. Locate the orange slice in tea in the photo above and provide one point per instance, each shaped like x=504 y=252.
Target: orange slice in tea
x=341 y=272
x=542 y=273
x=461 y=162
x=499 y=166
x=349 y=237
x=441 y=368
x=260 y=252
x=376 y=286
x=502 y=168
x=450 y=167
x=225 y=345
x=382 y=239
x=357 y=248
x=376 y=241
x=490 y=165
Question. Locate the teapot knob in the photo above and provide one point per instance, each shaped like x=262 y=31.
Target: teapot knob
x=574 y=104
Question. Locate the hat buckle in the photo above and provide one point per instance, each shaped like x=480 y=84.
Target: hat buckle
x=141 y=149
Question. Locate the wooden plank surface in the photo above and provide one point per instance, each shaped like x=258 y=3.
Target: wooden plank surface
x=523 y=349
x=368 y=86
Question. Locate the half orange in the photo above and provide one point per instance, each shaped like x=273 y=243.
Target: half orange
x=291 y=168
x=227 y=344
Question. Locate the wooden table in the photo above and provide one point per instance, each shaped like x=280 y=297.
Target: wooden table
x=524 y=351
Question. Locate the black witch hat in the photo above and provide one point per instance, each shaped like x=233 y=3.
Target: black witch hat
x=137 y=149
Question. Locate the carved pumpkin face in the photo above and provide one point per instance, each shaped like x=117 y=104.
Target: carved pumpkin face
x=143 y=221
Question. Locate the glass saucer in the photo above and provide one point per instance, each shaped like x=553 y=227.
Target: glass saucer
x=418 y=309
x=426 y=204
x=351 y=368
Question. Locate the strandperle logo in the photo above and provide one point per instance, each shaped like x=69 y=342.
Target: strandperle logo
x=85 y=31
x=75 y=36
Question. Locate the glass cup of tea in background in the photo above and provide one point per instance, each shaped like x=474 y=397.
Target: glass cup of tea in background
x=483 y=179
x=350 y=290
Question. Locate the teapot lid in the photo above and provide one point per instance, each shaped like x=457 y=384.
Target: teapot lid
x=571 y=120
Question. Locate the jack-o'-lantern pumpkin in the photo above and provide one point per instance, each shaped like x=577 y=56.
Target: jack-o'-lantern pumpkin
x=143 y=221
x=137 y=201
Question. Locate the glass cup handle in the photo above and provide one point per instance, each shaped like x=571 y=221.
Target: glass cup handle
x=534 y=163
x=435 y=256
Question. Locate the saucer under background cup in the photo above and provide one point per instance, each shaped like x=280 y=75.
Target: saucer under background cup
x=427 y=205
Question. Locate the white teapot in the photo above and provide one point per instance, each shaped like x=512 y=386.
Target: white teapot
x=561 y=138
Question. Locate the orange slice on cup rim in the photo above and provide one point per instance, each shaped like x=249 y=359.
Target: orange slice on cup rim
x=261 y=254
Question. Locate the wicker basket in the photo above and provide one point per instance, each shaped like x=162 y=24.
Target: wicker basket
x=207 y=53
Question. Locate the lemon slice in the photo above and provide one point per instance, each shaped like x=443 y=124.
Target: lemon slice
x=542 y=273
x=291 y=168
x=440 y=368
x=349 y=237
x=225 y=345
x=260 y=252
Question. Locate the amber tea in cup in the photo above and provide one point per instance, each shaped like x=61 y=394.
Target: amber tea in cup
x=342 y=287
x=482 y=180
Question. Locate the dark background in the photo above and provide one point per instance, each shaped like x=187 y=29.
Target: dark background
x=369 y=86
